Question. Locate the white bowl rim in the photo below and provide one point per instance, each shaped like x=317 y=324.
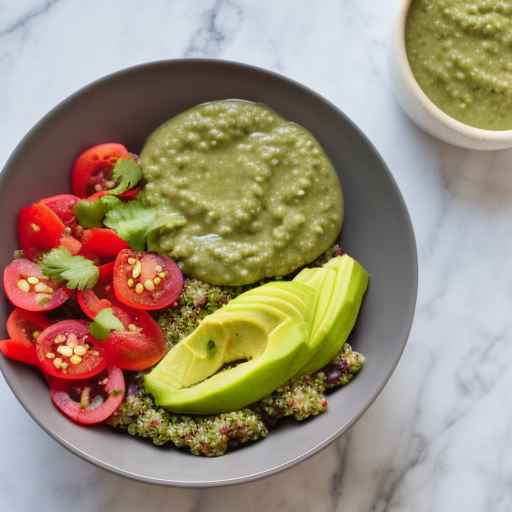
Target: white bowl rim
x=427 y=103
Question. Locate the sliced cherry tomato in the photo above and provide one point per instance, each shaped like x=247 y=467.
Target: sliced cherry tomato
x=26 y=325
x=62 y=205
x=27 y=288
x=146 y=281
x=19 y=351
x=66 y=350
x=140 y=346
x=89 y=402
x=102 y=243
x=39 y=229
x=101 y=296
x=92 y=170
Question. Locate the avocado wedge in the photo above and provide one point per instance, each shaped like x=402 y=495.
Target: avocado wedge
x=271 y=337
x=333 y=324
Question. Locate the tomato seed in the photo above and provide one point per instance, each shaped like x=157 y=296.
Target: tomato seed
x=57 y=362
x=36 y=334
x=162 y=275
x=139 y=288
x=80 y=350
x=65 y=350
x=157 y=281
x=23 y=285
x=35 y=227
x=131 y=261
x=149 y=285
x=32 y=280
x=75 y=359
x=137 y=269
x=42 y=299
x=158 y=268
x=60 y=338
x=131 y=283
x=50 y=355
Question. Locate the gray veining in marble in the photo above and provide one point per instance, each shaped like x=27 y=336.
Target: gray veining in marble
x=438 y=438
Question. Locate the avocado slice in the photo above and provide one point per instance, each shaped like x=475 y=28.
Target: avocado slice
x=339 y=318
x=272 y=338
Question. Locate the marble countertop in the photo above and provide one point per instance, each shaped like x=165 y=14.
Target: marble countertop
x=438 y=437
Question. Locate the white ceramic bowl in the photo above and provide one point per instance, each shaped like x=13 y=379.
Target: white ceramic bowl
x=421 y=109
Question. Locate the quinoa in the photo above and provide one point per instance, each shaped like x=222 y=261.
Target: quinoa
x=301 y=398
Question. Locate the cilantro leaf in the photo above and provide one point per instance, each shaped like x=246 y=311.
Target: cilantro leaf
x=90 y=213
x=131 y=221
x=105 y=322
x=126 y=173
x=78 y=272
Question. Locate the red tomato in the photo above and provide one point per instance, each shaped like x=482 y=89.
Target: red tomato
x=89 y=402
x=39 y=229
x=42 y=295
x=102 y=243
x=26 y=325
x=66 y=350
x=63 y=205
x=92 y=169
x=141 y=346
x=101 y=296
x=146 y=281
x=19 y=351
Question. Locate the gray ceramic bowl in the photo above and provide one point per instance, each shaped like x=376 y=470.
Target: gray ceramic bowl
x=126 y=107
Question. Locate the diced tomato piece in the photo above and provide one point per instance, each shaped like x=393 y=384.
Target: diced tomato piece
x=101 y=296
x=71 y=244
x=27 y=288
x=39 y=229
x=19 y=351
x=62 y=205
x=92 y=170
x=89 y=402
x=146 y=281
x=140 y=346
x=67 y=350
x=102 y=243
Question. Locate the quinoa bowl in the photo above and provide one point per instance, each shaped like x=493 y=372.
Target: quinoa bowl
x=377 y=231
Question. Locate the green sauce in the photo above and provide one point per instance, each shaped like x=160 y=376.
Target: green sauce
x=460 y=52
x=256 y=194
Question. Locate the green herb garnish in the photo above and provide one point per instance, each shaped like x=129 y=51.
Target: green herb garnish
x=127 y=174
x=90 y=214
x=131 y=221
x=76 y=271
x=105 y=322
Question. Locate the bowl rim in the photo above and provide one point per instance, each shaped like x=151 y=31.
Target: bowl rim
x=409 y=318
x=465 y=129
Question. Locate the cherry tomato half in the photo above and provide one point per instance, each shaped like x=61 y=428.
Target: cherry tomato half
x=89 y=402
x=39 y=229
x=19 y=351
x=27 y=288
x=26 y=325
x=101 y=296
x=92 y=170
x=140 y=346
x=102 y=243
x=146 y=280
x=66 y=350
x=62 y=205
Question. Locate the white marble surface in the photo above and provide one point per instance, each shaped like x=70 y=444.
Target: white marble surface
x=438 y=438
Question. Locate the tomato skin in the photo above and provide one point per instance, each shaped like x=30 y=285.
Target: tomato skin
x=39 y=229
x=114 y=388
x=22 y=268
x=165 y=294
x=22 y=324
x=89 y=165
x=138 y=350
x=62 y=205
x=101 y=243
x=101 y=296
x=19 y=351
x=93 y=362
